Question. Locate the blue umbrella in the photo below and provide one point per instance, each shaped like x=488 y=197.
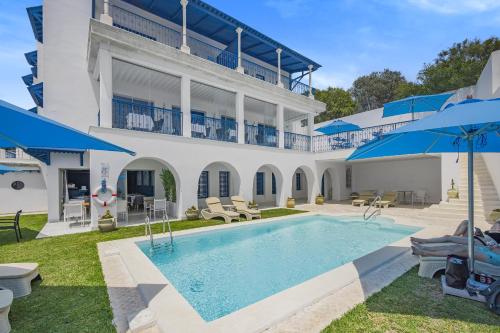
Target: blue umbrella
x=5 y=169
x=414 y=104
x=465 y=127
x=39 y=136
x=338 y=126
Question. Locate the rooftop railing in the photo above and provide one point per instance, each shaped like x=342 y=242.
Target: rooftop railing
x=147 y=28
x=219 y=129
x=146 y=118
x=261 y=135
x=354 y=139
x=296 y=141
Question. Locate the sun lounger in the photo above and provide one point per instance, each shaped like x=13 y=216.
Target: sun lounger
x=429 y=266
x=214 y=209
x=17 y=277
x=363 y=199
x=242 y=208
x=388 y=199
x=6 y=297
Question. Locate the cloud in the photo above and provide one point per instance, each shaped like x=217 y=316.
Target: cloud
x=453 y=7
x=290 y=8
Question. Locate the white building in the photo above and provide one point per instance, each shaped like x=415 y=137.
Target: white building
x=195 y=91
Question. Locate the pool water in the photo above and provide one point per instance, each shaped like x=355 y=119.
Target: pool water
x=219 y=272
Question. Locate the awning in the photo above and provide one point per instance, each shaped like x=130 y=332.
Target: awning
x=39 y=136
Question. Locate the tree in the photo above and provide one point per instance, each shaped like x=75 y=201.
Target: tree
x=373 y=90
x=459 y=66
x=339 y=103
x=406 y=89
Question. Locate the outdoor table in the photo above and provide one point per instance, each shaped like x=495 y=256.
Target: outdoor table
x=229 y=207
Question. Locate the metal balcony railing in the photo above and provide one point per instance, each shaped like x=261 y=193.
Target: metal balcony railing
x=354 y=139
x=14 y=153
x=212 y=53
x=146 y=118
x=297 y=141
x=219 y=129
x=261 y=135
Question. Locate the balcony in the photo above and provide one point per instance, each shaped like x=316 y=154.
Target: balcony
x=354 y=139
x=218 y=129
x=146 y=118
x=152 y=30
x=296 y=141
x=261 y=135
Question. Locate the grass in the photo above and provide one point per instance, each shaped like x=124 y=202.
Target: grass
x=72 y=296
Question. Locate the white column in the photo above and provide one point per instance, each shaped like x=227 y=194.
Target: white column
x=105 y=17
x=186 y=105
x=240 y=116
x=310 y=129
x=310 y=82
x=184 y=46
x=278 y=51
x=280 y=122
x=105 y=87
x=240 y=68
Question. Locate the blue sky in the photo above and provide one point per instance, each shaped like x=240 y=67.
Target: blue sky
x=348 y=37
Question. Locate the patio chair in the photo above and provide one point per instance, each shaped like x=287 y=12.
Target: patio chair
x=242 y=208
x=388 y=199
x=364 y=198
x=215 y=209
x=12 y=223
x=420 y=196
x=74 y=210
x=159 y=205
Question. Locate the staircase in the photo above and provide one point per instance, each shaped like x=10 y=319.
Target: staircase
x=485 y=197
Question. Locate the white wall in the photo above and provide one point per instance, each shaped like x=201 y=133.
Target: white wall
x=301 y=194
x=399 y=174
x=32 y=198
x=450 y=169
x=488 y=85
x=492 y=162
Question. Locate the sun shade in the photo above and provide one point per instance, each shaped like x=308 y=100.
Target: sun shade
x=415 y=104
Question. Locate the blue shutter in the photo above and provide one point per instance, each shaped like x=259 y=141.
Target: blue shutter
x=260 y=183
x=224 y=184
x=273 y=180
x=203 y=185
x=298 y=185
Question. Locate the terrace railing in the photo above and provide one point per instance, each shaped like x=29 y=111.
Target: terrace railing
x=219 y=129
x=146 y=118
x=354 y=139
x=297 y=141
x=261 y=135
x=212 y=53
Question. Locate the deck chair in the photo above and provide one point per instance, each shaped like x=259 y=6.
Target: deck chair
x=12 y=223
x=242 y=208
x=388 y=199
x=214 y=209
x=364 y=198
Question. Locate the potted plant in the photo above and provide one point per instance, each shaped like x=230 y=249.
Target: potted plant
x=253 y=205
x=495 y=215
x=192 y=213
x=320 y=199
x=290 y=202
x=107 y=222
x=452 y=192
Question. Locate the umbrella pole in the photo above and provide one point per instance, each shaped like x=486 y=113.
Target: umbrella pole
x=470 y=180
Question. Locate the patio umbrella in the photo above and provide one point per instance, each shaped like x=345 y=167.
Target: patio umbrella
x=338 y=126
x=465 y=127
x=39 y=136
x=6 y=169
x=414 y=104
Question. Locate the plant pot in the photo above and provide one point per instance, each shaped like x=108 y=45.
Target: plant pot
x=320 y=200
x=290 y=203
x=106 y=225
x=452 y=194
x=192 y=215
x=494 y=216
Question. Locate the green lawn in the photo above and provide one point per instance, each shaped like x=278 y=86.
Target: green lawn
x=72 y=296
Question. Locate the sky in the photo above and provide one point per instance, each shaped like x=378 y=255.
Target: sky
x=349 y=38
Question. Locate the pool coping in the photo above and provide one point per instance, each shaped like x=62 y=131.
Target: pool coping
x=172 y=312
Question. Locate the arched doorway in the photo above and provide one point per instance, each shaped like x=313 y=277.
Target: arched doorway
x=300 y=186
x=267 y=186
x=327 y=184
x=141 y=182
x=218 y=179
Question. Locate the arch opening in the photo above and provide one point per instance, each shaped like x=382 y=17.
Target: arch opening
x=267 y=186
x=301 y=185
x=218 y=179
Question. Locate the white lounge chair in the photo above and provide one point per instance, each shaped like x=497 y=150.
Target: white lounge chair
x=214 y=209
x=17 y=277
x=242 y=208
x=6 y=297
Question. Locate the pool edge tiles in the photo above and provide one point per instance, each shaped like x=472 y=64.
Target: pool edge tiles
x=221 y=272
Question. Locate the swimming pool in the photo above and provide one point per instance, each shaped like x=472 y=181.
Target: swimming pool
x=219 y=272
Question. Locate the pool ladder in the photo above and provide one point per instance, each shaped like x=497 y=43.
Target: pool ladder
x=149 y=233
x=376 y=210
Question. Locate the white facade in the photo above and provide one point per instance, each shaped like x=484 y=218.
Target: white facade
x=187 y=113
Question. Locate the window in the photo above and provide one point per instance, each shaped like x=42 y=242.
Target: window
x=224 y=184
x=273 y=181
x=203 y=185
x=260 y=183
x=298 y=184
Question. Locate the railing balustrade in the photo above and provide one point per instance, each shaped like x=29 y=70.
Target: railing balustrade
x=146 y=118
x=212 y=53
x=297 y=141
x=261 y=135
x=354 y=139
x=219 y=129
